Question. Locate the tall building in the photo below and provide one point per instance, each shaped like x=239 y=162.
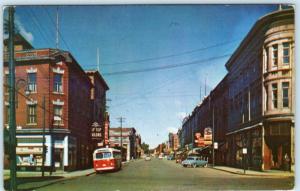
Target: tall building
x=52 y=77
x=98 y=105
x=261 y=77
x=253 y=107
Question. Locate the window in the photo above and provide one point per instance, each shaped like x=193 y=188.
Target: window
x=286 y=53
x=274 y=95
x=285 y=94
x=57 y=85
x=32 y=82
x=31 y=114
x=58 y=114
x=275 y=55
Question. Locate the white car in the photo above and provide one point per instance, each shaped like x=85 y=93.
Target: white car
x=160 y=157
x=148 y=158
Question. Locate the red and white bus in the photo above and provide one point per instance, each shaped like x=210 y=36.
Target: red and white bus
x=107 y=159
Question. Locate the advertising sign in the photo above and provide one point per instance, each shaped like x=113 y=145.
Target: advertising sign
x=96 y=131
x=208 y=136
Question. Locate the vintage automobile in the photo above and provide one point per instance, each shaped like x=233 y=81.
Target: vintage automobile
x=194 y=161
x=147 y=158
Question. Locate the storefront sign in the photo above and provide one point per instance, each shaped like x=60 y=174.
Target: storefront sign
x=207 y=134
x=96 y=131
x=29 y=150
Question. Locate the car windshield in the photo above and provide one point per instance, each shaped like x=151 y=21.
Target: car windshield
x=190 y=159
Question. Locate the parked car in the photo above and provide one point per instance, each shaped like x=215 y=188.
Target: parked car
x=147 y=158
x=194 y=162
x=160 y=157
x=171 y=157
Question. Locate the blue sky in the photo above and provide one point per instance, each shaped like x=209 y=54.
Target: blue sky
x=137 y=37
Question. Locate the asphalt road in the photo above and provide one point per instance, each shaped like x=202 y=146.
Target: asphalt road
x=167 y=175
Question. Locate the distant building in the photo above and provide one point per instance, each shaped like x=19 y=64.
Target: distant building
x=128 y=140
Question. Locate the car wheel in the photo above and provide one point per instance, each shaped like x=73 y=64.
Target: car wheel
x=194 y=165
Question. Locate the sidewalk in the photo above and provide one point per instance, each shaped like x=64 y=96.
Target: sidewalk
x=61 y=174
x=255 y=173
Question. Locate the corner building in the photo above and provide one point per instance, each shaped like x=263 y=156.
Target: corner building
x=261 y=95
x=55 y=79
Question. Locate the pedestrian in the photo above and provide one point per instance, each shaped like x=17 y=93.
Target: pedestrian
x=286 y=162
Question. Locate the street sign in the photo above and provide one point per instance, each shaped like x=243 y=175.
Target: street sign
x=244 y=150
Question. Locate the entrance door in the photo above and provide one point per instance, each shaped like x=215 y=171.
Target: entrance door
x=59 y=158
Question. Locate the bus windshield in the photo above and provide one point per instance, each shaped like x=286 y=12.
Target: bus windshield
x=103 y=155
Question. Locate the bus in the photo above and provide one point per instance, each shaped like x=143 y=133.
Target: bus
x=107 y=159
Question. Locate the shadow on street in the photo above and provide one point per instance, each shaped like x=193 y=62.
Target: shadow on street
x=31 y=183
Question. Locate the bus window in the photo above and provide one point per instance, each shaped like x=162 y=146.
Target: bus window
x=103 y=155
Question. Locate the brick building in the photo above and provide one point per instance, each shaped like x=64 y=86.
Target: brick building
x=55 y=78
x=253 y=106
x=98 y=104
x=261 y=79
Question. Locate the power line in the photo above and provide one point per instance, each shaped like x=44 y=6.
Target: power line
x=164 y=67
x=171 y=55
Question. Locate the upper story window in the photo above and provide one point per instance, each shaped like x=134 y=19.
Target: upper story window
x=7 y=114
x=274 y=95
x=31 y=114
x=58 y=114
x=285 y=94
x=32 y=82
x=275 y=55
x=57 y=85
x=286 y=53
x=6 y=83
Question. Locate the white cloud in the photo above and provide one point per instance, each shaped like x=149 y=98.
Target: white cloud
x=26 y=34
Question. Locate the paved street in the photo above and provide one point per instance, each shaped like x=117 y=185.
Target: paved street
x=165 y=175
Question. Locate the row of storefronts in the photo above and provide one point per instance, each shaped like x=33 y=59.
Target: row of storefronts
x=251 y=111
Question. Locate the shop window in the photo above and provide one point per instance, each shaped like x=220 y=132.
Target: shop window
x=31 y=114
x=275 y=55
x=286 y=53
x=274 y=95
x=285 y=94
x=32 y=82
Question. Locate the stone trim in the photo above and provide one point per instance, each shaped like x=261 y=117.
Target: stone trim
x=31 y=70
x=58 y=102
x=58 y=70
x=31 y=102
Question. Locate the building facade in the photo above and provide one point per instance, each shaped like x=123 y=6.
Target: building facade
x=253 y=107
x=128 y=140
x=261 y=94
x=52 y=77
x=98 y=105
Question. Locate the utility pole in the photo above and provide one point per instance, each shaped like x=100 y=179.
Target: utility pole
x=121 y=120
x=12 y=108
x=57 y=33
x=213 y=135
x=44 y=146
x=98 y=60
x=205 y=86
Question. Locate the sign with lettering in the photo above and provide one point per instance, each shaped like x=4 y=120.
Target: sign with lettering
x=96 y=131
x=208 y=136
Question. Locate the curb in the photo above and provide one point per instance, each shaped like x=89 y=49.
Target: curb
x=261 y=175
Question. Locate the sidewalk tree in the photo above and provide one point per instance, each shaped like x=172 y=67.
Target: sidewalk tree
x=145 y=147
